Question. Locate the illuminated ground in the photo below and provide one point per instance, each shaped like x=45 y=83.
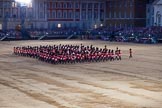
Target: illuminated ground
x=130 y=83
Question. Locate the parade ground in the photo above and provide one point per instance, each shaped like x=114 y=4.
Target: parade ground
x=129 y=83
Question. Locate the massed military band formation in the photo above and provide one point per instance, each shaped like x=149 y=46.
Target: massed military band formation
x=61 y=54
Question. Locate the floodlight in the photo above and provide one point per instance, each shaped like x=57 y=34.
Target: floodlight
x=95 y=26
x=0 y=26
x=59 y=25
x=23 y=1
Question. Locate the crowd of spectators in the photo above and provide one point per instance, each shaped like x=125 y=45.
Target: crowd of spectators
x=142 y=31
x=2 y=34
x=138 y=34
x=56 y=32
x=11 y=34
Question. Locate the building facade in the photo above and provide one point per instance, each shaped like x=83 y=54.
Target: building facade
x=11 y=14
x=50 y=14
x=157 y=12
x=126 y=13
x=150 y=13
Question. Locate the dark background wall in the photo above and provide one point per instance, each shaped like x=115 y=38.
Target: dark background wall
x=127 y=13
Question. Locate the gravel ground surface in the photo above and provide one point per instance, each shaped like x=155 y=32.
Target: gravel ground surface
x=129 y=83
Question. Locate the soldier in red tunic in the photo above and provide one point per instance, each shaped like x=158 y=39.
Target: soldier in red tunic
x=130 y=53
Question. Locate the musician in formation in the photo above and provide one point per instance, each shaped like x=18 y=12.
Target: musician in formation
x=62 y=54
